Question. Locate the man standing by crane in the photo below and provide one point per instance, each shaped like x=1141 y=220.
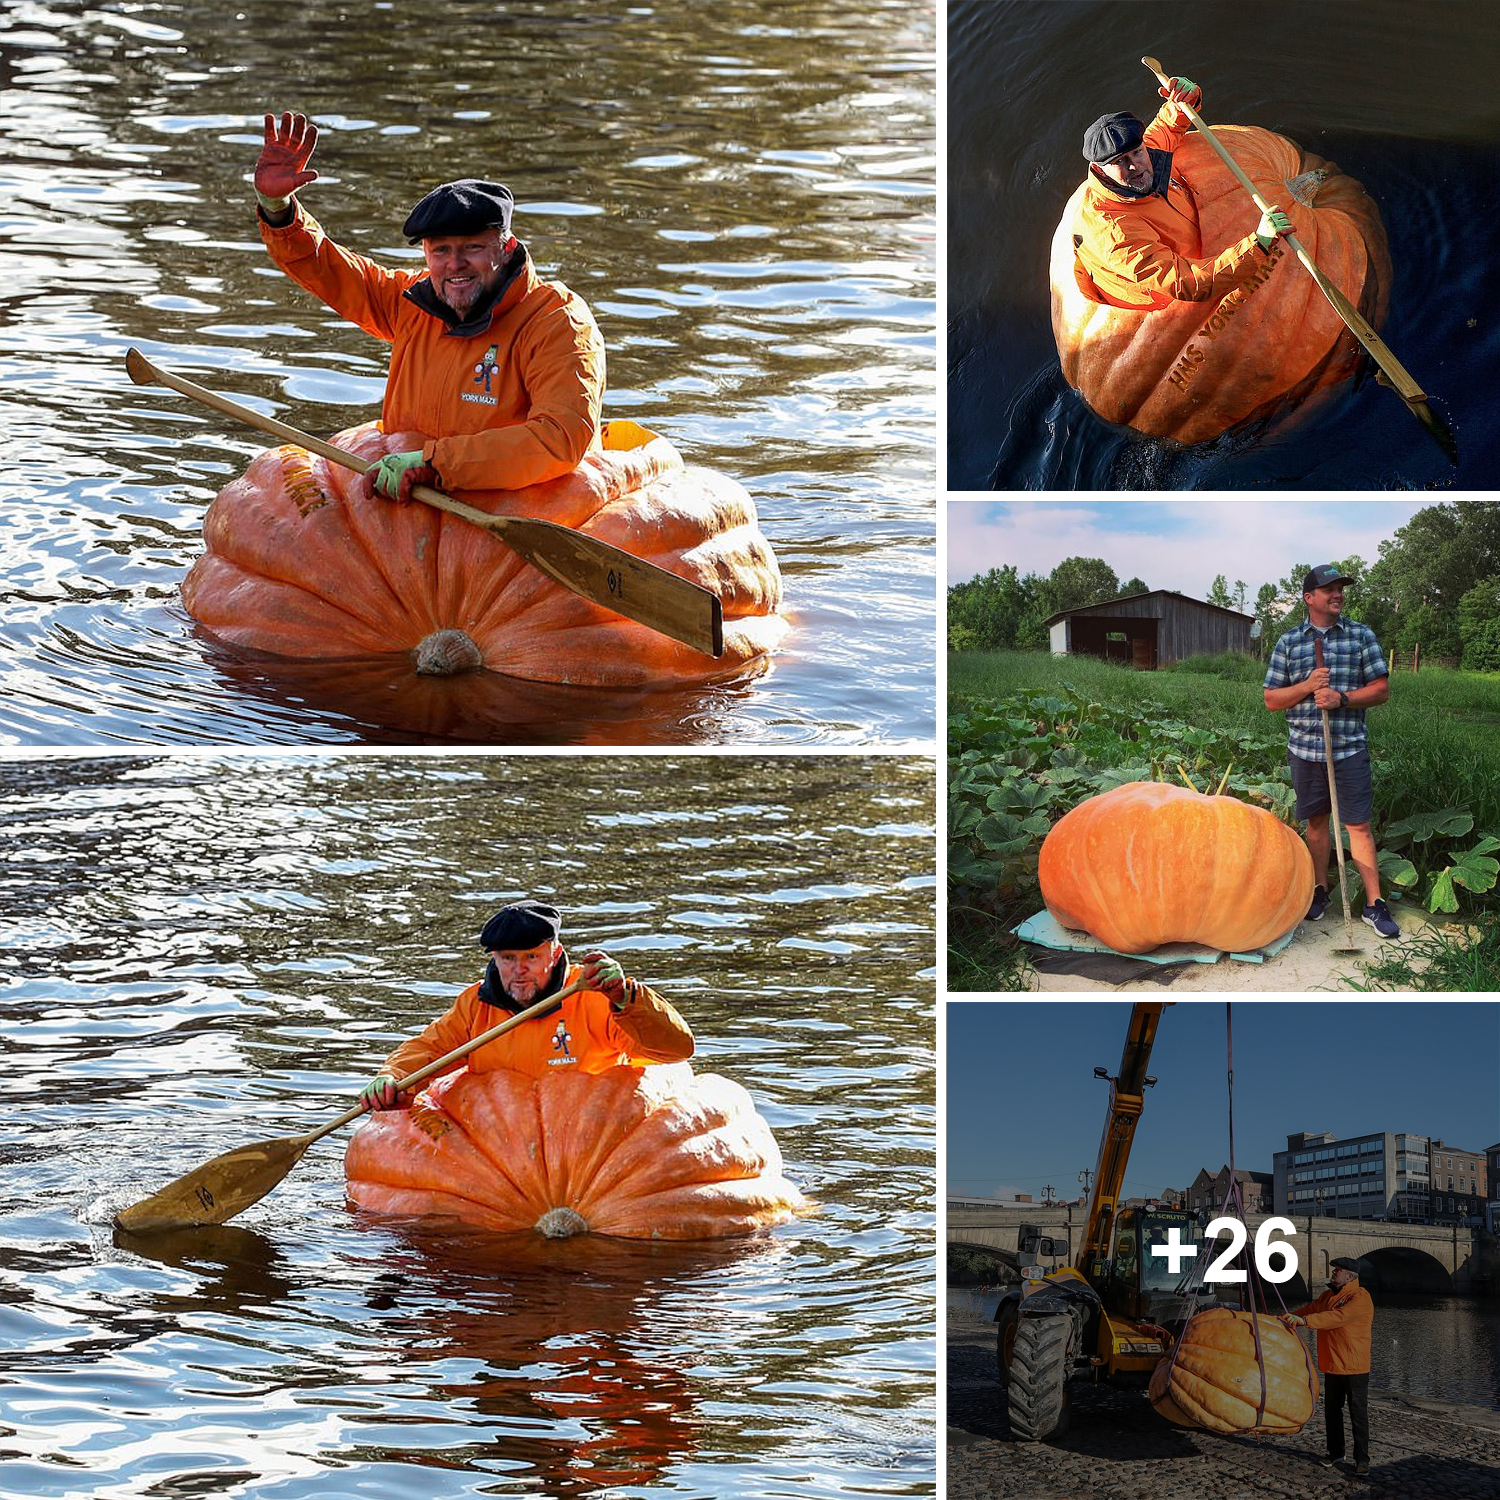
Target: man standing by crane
x=1343 y=1318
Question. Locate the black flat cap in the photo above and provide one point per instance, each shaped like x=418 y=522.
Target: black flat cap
x=1109 y=135
x=460 y=208
x=1345 y=1263
x=521 y=925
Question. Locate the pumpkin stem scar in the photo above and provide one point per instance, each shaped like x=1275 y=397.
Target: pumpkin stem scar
x=562 y=1223
x=446 y=653
x=1304 y=186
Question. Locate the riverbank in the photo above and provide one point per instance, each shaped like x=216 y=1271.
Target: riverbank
x=1117 y=1449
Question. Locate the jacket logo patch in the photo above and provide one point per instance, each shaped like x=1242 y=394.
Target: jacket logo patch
x=560 y=1040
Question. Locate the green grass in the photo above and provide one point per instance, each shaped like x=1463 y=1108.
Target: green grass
x=1450 y=962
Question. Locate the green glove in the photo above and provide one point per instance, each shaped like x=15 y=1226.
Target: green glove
x=1272 y=223
x=379 y=1093
x=1187 y=88
x=602 y=973
x=389 y=473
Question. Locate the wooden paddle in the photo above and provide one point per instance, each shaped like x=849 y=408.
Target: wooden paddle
x=229 y=1184
x=594 y=570
x=1333 y=800
x=1392 y=368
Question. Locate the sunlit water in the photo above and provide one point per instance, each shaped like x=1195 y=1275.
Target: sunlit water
x=744 y=194
x=1398 y=97
x=200 y=952
x=1432 y=1348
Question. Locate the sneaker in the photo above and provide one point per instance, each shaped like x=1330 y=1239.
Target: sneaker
x=1319 y=904
x=1361 y=1469
x=1330 y=1463
x=1379 y=917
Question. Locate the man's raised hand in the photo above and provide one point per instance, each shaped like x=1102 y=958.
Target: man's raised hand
x=282 y=167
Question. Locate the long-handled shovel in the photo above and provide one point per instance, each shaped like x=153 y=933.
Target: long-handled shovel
x=1338 y=832
x=594 y=570
x=229 y=1184
x=1391 y=367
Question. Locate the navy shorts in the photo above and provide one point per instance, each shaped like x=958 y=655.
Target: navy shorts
x=1352 y=775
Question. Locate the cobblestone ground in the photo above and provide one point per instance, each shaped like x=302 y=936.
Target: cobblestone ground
x=1117 y=1448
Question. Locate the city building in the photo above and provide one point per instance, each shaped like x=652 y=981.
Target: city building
x=1208 y=1193
x=1380 y=1176
x=1492 y=1172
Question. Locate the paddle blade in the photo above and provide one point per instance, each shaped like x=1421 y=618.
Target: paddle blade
x=218 y=1190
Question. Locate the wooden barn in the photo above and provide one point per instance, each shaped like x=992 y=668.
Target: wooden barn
x=1149 y=630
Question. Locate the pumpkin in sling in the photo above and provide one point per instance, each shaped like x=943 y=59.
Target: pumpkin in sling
x=1192 y=370
x=1149 y=863
x=655 y=1153
x=1213 y=1381
x=304 y=561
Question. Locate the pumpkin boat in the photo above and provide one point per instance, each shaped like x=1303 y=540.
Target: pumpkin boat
x=1192 y=370
x=1149 y=863
x=1213 y=1379
x=303 y=561
x=655 y=1153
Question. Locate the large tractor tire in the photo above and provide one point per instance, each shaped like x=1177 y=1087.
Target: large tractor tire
x=1038 y=1386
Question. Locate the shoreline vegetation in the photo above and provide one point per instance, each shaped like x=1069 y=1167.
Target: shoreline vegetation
x=1031 y=734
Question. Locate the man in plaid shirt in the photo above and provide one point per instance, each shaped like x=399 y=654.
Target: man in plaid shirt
x=1354 y=677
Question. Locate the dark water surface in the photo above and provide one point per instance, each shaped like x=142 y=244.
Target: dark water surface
x=1431 y=1348
x=1401 y=97
x=743 y=192
x=205 y=951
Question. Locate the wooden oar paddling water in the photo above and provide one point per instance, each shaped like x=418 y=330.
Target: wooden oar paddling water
x=1392 y=368
x=594 y=570
x=229 y=1184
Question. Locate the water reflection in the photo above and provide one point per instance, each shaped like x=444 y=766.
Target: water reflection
x=743 y=194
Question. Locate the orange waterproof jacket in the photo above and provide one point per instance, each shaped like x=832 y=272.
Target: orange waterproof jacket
x=1147 y=253
x=585 y=1033
x=1343 y=1320
x=514 y=403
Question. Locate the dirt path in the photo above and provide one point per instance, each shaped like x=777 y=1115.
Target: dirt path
x=1309 y=963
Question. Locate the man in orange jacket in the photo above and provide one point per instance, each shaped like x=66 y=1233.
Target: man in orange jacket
x=1343 y=1317
x=501 y=372
x=1136 y=238
x=613 y=1020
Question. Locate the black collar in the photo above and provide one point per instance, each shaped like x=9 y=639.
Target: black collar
x=478 y=321
x=1161 y=175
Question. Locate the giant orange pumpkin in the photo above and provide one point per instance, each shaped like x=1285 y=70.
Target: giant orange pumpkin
x=1214 y=1378
x=303 y=561
x=643 y=1153
x=1193 y=370
x=1149 y=863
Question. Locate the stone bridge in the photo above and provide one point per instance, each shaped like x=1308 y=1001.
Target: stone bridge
x=1394 y=1257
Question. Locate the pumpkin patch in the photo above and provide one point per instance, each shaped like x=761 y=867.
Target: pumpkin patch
x=1150 y=863
x=302 y=561
x=1192 y=370
x=1213 y=1380
x=642 y=1153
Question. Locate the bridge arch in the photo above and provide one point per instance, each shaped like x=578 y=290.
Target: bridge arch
x=1403 y=1268
x=973 y=1263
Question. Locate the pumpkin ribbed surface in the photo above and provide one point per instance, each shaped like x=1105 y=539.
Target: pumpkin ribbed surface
x=644 y=1153
x=1149 y=863
x=302 y=561
x=1194 y=369
x=1214 y=1380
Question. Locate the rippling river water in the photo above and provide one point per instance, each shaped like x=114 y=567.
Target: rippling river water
x=204 y=951
x=1401 y=97
x=743 y=192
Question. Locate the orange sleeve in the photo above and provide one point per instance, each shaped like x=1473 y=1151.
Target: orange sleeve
x=1336 y=1317
x=651 y=1027
x=1167 y=130
x=450 y=1030
x=1153 y=266
x=560 y=357
x=366 y=294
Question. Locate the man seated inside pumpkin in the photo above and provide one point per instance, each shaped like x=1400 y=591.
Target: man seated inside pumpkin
x=501 y=371
x=1136 y=240
x=613 y=1020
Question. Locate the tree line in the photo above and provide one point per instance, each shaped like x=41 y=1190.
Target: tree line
x=1436 y=584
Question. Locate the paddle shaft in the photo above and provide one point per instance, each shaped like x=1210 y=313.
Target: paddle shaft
x=595 y=570
x=1353 y=319
x=1333 y=800
x=413 y=1080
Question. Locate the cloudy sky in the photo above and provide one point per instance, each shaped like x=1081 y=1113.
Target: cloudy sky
x=1171 y=544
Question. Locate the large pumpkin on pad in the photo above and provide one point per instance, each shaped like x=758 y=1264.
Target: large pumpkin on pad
x=643 y=1153
x=303 y=561
x=1195 y=369
x=1213 y=1379
x=1149 y=863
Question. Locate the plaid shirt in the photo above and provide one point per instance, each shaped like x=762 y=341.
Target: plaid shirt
x=1352 y=655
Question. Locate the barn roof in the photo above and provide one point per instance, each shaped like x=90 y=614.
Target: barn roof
x=1088 y=609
